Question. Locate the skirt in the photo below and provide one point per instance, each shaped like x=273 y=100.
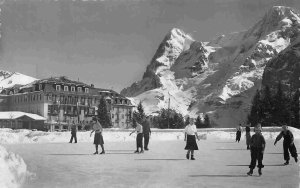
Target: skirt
x=98 y=139
x=191 y=143
x=139 y=140
x=248 y=138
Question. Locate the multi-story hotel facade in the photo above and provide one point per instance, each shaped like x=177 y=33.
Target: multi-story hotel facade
x=63 y=102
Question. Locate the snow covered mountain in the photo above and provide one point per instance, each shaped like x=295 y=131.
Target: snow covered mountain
x=9 y=79
x=219 y=77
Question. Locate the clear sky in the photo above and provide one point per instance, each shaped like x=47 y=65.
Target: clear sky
x=110 y=42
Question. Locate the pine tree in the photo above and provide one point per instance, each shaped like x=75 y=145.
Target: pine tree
x=206 y=121
x=255 y=115
x=141 y=113
x=267 y=107
x=279 y=112
x=295 y=108
x=198 y=122
x=103 y=115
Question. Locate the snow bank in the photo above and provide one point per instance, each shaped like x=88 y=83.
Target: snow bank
x=13 y=169
x=8 y=136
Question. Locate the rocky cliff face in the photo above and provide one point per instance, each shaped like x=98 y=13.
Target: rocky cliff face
x=219 y=77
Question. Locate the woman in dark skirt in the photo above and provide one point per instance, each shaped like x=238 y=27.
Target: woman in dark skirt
x=190 y=138
x=98 y=138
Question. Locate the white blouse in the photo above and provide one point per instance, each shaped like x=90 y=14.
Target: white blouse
x=190 y=129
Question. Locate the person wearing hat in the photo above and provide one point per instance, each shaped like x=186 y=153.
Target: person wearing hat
x=146 y=131
x=248 y=136
x=257 y=147
x=190 y=138
x=73 y=133
x=288 y=144
x=98 y=138
x=238 y=133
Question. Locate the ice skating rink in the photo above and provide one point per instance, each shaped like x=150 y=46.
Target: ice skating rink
x=219 y=163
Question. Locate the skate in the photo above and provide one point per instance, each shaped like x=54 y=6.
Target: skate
x=250 y=172
x=95 y=153
x=103 y=152
x=136 y=151
x=192 y=157
x=286 y=163
x=259 y=171
x=187 y=156
x=296 y=159
x=142 y=151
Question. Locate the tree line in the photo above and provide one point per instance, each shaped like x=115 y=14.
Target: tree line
x=274 y=107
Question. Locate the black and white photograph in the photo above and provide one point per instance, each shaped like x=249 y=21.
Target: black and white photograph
x=149 y=93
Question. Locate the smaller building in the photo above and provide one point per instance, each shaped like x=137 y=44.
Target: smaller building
x=21 y=120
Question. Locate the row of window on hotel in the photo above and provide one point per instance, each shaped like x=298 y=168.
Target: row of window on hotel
x=66 y=88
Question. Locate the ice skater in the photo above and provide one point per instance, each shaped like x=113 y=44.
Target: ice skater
x=288 y=144
x=146 y=132
x=98 y=138
x=238 y=133
x=248 y=136
x=257 y=148
x=190 y=138
x=73 y=133
x=139 y=138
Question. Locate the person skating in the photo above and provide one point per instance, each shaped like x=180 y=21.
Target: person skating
x=73 y=133
x=190 y=138
x=257 y=147
x=288 y=144
x=248 y=136
x=238 y=133
x=139 y=138
x=146 y=132
x=98 y=138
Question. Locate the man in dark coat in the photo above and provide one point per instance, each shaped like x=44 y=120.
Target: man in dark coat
x=73 y=133
x=146 y=132
x=288 y=144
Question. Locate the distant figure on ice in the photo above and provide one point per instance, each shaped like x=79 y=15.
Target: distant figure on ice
x=190 y=138
x=248 y=136
x=257 y=148
x=98 y=138
x=238 y=133
x=288 y=144
x=139 y=138
x=146 y=132
x=73 y=133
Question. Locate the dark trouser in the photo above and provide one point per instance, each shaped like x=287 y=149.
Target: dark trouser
x=238 y=136
x=146 y=140
x=139 y=141
x=286 y=148
x=73 y=136
x=256 y=154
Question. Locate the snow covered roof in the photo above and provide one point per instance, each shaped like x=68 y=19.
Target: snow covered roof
x=18 y=114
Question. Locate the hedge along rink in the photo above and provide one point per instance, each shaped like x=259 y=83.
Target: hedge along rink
x=9 y=136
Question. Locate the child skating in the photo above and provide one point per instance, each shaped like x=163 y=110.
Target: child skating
x=288 y=144
x=190 y=138
x=238 y=133
x=248 y=136
x=98 y=138
x=257 y=148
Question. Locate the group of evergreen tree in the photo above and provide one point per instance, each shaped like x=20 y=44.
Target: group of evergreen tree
x=203 y=124
x=166 y=118
x=271 y=108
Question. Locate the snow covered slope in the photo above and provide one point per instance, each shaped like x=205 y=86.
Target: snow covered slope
x=219 y=77
x=9 y=79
